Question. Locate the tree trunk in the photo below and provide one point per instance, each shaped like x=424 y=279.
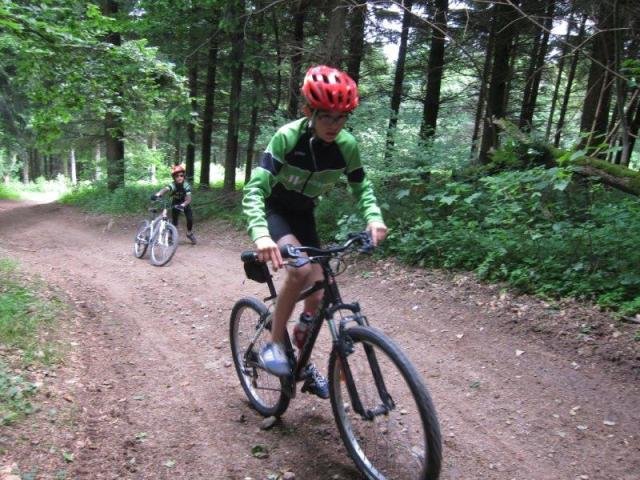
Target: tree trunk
x=333 y=54
x=113 y=129
x=616 y=176
x=515 y=50
x=482 y=93
x=595 y=113
x=97 y=159
x=256 y=101
x=556 y=89
x=505 y=32
x=620 y=83
x=396 y=94
x=65 y=167
x=25 y=170
x=535 y=74
x=570 y=76
x=191 y=126
x=152 y=144
x=357 y=21
x=207 y=115
x=13 y=159
x=72 y=161
x=296 y=58
x=114 y=145
x=435 y=68
x=634 y=128
x=276 y=34
x=237 y=65
x=39 y=165
x=251 y=144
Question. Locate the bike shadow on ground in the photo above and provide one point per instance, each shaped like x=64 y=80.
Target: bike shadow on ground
x=319 y=451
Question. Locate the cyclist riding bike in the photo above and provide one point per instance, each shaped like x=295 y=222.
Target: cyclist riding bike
x=303 y=160
x=180 y=192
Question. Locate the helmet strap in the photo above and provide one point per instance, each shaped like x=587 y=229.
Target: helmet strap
x=312 y=120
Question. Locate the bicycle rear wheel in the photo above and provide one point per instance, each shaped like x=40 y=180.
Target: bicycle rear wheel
x=164 y=244
x=141 y=241
x=396 y=434
x=248 y=332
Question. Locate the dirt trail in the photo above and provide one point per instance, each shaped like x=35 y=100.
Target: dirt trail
x=156 y=396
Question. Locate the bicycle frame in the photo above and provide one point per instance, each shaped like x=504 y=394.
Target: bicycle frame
x=330 y=304
x=154 y=224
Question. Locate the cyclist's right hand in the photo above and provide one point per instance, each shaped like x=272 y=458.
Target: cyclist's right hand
x=268 y=251
x=153 y=197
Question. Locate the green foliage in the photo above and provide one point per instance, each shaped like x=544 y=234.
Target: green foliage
x=134 y=199
x=533 y=229
x=23 y=312
x=15 y=393
x=8 y=193
x=39 y=190
x=96 y=198
x=139 y=160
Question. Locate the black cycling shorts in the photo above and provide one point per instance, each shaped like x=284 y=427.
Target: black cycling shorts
x=301 y=225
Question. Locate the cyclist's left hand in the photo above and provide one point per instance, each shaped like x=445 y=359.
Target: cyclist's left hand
x=378 y=231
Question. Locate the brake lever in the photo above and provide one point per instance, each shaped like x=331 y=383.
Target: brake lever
x=366 y=245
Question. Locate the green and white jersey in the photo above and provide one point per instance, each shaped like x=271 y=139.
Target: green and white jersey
x=290 y=177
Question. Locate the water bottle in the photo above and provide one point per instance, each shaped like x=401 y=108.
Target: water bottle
x=301 y=329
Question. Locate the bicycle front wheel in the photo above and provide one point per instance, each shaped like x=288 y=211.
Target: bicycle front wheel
x=141 y=241
x=249 y=330
x=164 y=244
x=385 y=416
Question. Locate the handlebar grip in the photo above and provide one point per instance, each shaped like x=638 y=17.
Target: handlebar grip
x=249 y=256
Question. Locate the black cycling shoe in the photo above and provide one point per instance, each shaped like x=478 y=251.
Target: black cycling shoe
x=192 y=237
x=315 y=383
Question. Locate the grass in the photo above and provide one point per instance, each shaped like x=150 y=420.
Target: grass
x=25 y=313
x=8 y=193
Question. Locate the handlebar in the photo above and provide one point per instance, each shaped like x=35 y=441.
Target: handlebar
x=360 y=241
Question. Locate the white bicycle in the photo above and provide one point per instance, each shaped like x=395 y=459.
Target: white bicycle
x=158 y=232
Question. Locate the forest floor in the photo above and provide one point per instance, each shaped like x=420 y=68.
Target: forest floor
x=525 y=389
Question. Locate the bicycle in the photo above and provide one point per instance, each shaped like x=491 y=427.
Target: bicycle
x=383 y=411
x=158 y=232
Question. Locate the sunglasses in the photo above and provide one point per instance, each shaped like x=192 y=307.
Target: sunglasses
x=328 y=120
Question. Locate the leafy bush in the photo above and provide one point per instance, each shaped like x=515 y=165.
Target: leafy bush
x=533 y=229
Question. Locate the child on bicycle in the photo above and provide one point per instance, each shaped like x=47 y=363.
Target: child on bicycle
x=303 y=160
x=180 y=192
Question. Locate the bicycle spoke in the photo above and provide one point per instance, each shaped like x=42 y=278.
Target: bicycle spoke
x=248 y=335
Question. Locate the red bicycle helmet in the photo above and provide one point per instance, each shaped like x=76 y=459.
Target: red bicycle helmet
x=327 y=88
x=177 y=169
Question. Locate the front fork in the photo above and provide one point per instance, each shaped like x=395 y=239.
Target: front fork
x=344 y=346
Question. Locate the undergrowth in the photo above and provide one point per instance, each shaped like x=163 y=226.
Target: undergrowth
x=8 y=193
x=543 y=231
x=25 y=316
